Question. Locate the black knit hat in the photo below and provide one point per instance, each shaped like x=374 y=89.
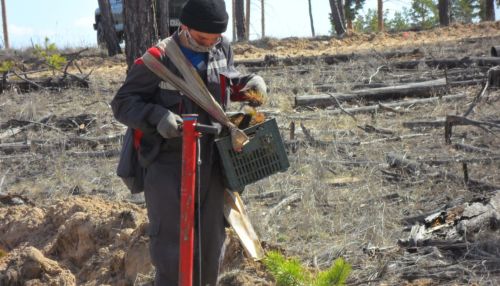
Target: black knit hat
x=207 y=16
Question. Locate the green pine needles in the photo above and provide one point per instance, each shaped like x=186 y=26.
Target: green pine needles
x=336 y=275
x=50 y=54
x=6 y=66
x=289 y=272
x=286 y=272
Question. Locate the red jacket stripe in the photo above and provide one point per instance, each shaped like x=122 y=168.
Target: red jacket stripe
x=137 y=138
x=139 y=61
x=156 y=52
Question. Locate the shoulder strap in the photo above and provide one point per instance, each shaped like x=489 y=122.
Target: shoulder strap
x=193 y=87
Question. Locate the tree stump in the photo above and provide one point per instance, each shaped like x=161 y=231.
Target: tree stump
x=494 y=77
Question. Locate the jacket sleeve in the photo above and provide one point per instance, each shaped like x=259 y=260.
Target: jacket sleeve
x=133 y=105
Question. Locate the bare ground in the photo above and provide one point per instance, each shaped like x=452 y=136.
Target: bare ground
x=65 y=218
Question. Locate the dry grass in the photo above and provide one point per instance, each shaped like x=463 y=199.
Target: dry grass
x=331 y=219
x=345 y=219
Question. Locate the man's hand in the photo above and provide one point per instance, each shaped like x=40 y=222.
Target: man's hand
x=255 y=91
x=168 y=127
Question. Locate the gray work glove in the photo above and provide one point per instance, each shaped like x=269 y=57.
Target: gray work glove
x=168 y=127
x=255 y=91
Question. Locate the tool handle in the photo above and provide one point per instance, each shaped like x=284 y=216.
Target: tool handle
x=203 y=128
x=207 y=129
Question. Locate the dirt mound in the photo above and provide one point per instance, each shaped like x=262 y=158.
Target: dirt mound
x=99 y=241
x=362 y=42
x=28 y=266
x=90 y=241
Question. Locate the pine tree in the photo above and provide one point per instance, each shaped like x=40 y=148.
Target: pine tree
x=465 y=11
x=400 y=21
x=352 y=8
x=424 y=13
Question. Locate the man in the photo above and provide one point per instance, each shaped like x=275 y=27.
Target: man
x=152 y=108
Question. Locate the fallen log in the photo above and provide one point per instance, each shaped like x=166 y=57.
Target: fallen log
x=58 y=144
x=266 y=195
x=445 y=161
x=372 y=129
x=17 y=157
x=400 y=104
x=439 y=122
x=14 y=123
x=31 y=145
x=448 y=63
x=10 y=132
x=473 y=149
x=95 y=154
x=48 y=83
x=435 y=123
x=382 y=93
x=417 y=168
x=319 y=87
x=419 y=89
x=9 y=148
x=453 y=82
x=285 y=202
x=293 y=145
x=394 y=138
x=271 y=60
x=336 y=162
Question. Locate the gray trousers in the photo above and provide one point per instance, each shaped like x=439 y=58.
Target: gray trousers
x=162 y=194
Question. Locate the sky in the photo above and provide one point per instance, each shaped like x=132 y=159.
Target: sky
x=68 y=23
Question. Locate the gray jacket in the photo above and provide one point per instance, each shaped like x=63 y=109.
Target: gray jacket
x=144 y=98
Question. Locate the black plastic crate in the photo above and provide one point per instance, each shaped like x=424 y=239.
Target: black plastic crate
x=263 y=156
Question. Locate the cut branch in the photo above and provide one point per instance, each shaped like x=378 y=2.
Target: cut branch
x=285 y=202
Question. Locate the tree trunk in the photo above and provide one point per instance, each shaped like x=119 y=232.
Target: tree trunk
x=337 y=18
x=311 y=18
x=444 y=16
x=163 y=18
x=234 y=19
x=489 y=7
x=247 y=22
x=5 y=30
x=240 y=20
x=380 y=15
x=139 y=28
x=262 y=18
x=108 y=28
x=340 y=5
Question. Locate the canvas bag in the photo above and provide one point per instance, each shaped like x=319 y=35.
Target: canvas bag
x=129 y=169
